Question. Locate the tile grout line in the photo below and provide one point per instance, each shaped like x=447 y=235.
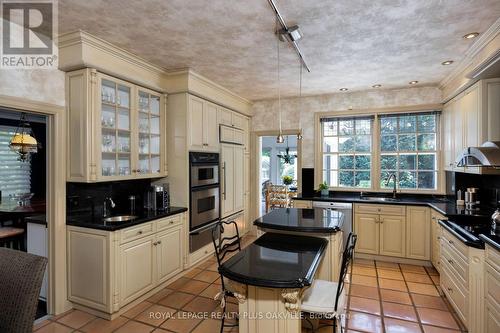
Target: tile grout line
x=380 y=297
x=419 y=321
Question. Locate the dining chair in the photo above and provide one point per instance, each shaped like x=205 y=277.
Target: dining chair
x=277 y=196
x=226 y=241
x=21 y=276
x=326 y=298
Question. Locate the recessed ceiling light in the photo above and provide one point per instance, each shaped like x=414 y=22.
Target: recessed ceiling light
x=447 y=62
x=471 y=35
x=376 y=86
x=343 y=89
x=413 y=82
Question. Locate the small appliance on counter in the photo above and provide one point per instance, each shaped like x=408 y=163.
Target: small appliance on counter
x=157 y=198
x=472 y=198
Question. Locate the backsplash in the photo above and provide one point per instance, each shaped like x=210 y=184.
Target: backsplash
x=489 y=185
x=82 y=198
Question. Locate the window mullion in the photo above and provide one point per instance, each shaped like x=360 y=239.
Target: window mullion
x=375 y=163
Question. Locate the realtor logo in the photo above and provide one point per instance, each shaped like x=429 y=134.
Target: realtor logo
x=28 y=34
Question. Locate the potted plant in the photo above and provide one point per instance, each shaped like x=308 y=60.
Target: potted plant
x=287 y=180
x=324 y=189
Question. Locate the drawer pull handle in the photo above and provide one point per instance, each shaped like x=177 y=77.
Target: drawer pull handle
x=139 y=232
x=155 y=243
x=451 y=242
x=158 y=242
x=171 y=222
x=450 y=289
x=451 y=261
x=438 y=237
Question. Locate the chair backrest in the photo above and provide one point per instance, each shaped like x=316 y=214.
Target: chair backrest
x=224 y=244
x=278 y=195
x=346 y=260
x=21 y=276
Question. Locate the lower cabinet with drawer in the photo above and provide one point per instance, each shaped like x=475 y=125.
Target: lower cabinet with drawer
x=109 y=269
x=492 y=290
x=462 y=280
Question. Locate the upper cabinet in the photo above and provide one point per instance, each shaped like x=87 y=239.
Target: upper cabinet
x=469 y=120
x=203 y=131
x=234 y=127
x=116 y=130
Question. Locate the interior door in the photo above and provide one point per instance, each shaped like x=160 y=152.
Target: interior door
x=392 y=235
x=367 y=228
x=227 y=180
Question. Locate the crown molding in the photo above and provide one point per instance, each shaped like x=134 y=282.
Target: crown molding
x=79 y=49
x=480 y=53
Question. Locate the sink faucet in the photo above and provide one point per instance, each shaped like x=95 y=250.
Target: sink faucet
x=105 y=210
x=392 y=176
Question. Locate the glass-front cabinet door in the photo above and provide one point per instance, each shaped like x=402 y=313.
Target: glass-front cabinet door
x=116 y=128
x=149 y=120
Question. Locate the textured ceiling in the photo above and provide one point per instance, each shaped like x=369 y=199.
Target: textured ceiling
x=354 y=44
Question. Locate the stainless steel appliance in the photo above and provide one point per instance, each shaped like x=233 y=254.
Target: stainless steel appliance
x=345 y=208
x=488 y=155
x=472 y=198
x=157 y=198
x=204 y=210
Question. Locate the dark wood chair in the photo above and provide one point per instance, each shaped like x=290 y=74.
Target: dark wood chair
x=326 y=299
x=12 y=238
x=225 y=245
x=21 y=276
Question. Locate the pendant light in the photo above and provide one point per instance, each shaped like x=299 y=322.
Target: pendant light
x=280 y=138
x=23 y=142
x=299 y=135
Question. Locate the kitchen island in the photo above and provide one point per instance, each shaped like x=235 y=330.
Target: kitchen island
x=319 y=222
x=269 y=276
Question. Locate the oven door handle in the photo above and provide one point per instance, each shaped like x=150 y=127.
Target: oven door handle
x=204 y=228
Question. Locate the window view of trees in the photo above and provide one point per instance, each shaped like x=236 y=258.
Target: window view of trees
x=347 y=145
x=407 y=148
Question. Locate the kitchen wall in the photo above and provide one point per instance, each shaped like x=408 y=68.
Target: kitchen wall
x=266 y=116
x=38 y=85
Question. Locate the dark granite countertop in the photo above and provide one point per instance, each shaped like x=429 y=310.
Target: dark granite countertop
x=492 y=240
x=442 y=204
x=317 y=220
x=87 y=221
x=277 y=261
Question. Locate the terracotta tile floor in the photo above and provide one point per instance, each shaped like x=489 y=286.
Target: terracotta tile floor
x=384 y=297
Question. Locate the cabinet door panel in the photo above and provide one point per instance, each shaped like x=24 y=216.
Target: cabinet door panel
x=367 y=228
x=224 y=117
x=238 y=180
x=195 y=123
x=137 y=269
x=392 y=235
x=418 y=233
x=447 y=137
x=458 y=131
x=227 y=181
x=210 y=128
x=238 y=120
x=169 y=253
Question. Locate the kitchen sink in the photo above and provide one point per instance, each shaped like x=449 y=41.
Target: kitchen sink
x=120 y=218
x=382 y=199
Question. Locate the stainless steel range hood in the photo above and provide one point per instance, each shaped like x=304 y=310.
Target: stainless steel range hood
x=488 y=155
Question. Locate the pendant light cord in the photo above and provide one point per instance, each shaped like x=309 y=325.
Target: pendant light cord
x=279 y=77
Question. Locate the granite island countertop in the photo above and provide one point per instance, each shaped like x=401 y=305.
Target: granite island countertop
x=88 y=221
x=492 y=240
x=317 y=220
x=276 y=261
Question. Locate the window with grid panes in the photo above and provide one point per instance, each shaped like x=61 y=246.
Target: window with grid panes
x=408 y=149
x=346 y=150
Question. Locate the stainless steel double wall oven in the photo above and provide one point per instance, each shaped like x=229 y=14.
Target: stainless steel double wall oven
x=204 y=198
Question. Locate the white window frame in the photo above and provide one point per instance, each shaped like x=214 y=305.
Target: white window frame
x=375 y=167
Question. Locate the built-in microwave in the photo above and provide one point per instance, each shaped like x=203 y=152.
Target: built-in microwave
x=204 y=169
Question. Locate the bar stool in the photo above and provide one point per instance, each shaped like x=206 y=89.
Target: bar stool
x=12 y=238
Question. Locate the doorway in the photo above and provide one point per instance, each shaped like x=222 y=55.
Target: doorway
x=278 y=164
x=23 y=192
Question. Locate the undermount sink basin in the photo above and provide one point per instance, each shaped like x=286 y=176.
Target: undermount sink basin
x=378 y=199
x=121 y=218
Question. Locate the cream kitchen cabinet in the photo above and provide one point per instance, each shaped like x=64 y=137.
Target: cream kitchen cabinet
x=203 y=129
x=418 y=233
x=231 y=118
x=492 y=290
x=232 y=179
x=116 y=130
x=368 y=231
x=297 y=203
x=380 y=234
x=469 y=120
x=436 y=230
x=109 y=269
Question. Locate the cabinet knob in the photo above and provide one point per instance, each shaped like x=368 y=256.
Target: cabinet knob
x=450 y=289
x=451 y=242
x=451 y=261
x=171 y=222
x=158 y=242
x=154 y=244
x=139 y=232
